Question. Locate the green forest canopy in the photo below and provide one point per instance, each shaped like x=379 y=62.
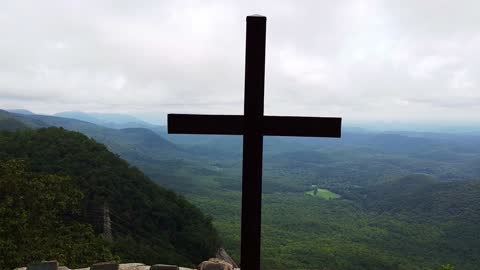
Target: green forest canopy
x=150 y=224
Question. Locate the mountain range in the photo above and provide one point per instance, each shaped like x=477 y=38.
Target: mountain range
x=406 y=200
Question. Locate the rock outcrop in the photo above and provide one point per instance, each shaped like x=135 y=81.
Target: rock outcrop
x=215 y=264
x=223 y=255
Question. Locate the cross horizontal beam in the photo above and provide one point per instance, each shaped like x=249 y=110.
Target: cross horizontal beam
x=205 y=124
x=272 y=125
x=299 y=126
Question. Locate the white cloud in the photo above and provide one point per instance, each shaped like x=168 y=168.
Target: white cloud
x=363 y=60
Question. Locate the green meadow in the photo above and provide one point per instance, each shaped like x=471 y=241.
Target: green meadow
x=323 y=193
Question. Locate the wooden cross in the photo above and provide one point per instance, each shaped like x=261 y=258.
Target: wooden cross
x=253 y=125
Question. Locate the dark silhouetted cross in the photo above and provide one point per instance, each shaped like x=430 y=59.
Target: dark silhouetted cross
x=253 y=125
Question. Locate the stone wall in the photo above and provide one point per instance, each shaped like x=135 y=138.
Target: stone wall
x=53 y=265
x=212 y=264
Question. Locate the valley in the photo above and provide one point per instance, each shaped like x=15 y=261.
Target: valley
x=391 y=200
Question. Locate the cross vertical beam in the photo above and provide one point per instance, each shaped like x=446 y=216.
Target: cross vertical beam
x=253 y=143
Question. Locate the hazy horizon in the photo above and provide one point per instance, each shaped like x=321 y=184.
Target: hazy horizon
x=373 y=126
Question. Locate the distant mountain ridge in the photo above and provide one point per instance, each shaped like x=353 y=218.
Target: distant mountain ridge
x=142 y=147
x=382 y=153
x=9 y=122
x=126 y=142
x=111 y=120
x=21 y=111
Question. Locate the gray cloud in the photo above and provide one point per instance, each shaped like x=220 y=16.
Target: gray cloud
x=363 y=60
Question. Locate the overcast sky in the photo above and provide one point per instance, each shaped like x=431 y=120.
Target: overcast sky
x=403 y=60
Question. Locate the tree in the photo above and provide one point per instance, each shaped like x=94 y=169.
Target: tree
x=37 y=220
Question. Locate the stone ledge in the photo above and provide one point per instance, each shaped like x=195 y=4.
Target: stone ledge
x=53 y=265
x=48 y=265
x=164 y=267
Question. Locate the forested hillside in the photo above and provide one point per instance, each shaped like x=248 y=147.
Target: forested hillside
x=149 y=223
x=39 y=220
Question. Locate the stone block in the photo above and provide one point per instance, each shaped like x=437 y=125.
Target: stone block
x=50 y=265
x=105 y=266
x=130 y=266
x=163 y=267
